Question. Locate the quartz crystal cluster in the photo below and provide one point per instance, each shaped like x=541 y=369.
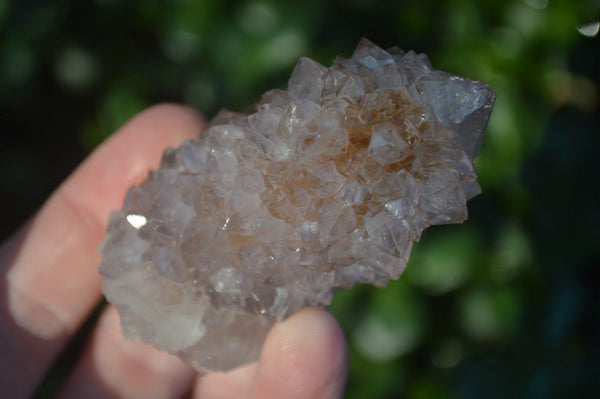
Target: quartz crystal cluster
x=322 y=186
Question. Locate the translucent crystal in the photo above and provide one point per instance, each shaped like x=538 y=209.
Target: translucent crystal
x=325 y=185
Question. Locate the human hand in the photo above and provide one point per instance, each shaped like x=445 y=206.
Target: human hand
x=50 y=284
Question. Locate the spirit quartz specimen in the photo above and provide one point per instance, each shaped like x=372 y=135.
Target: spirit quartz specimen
x=323 y=186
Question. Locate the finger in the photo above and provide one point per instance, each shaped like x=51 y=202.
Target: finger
x=51 y=265
x=113 y=367
x=304 y=357
x=233 y=384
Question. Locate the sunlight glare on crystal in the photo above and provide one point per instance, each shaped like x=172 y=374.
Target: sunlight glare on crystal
x=137 y=221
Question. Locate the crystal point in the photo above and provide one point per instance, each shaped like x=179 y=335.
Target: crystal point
x=323 y=186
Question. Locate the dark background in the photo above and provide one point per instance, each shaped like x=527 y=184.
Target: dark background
x=504 y=305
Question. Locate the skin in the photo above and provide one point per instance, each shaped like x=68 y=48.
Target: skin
x=49 y=284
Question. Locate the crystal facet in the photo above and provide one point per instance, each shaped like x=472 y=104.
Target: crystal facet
x=325 y=185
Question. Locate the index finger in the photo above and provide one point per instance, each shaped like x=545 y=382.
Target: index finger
x=51 y=280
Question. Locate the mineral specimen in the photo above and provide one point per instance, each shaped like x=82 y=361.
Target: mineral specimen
x=323 y=186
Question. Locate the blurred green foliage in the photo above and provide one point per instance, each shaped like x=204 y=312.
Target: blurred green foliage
x=504 y=305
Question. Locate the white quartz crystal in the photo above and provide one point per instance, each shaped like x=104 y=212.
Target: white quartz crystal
x=325 y=185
